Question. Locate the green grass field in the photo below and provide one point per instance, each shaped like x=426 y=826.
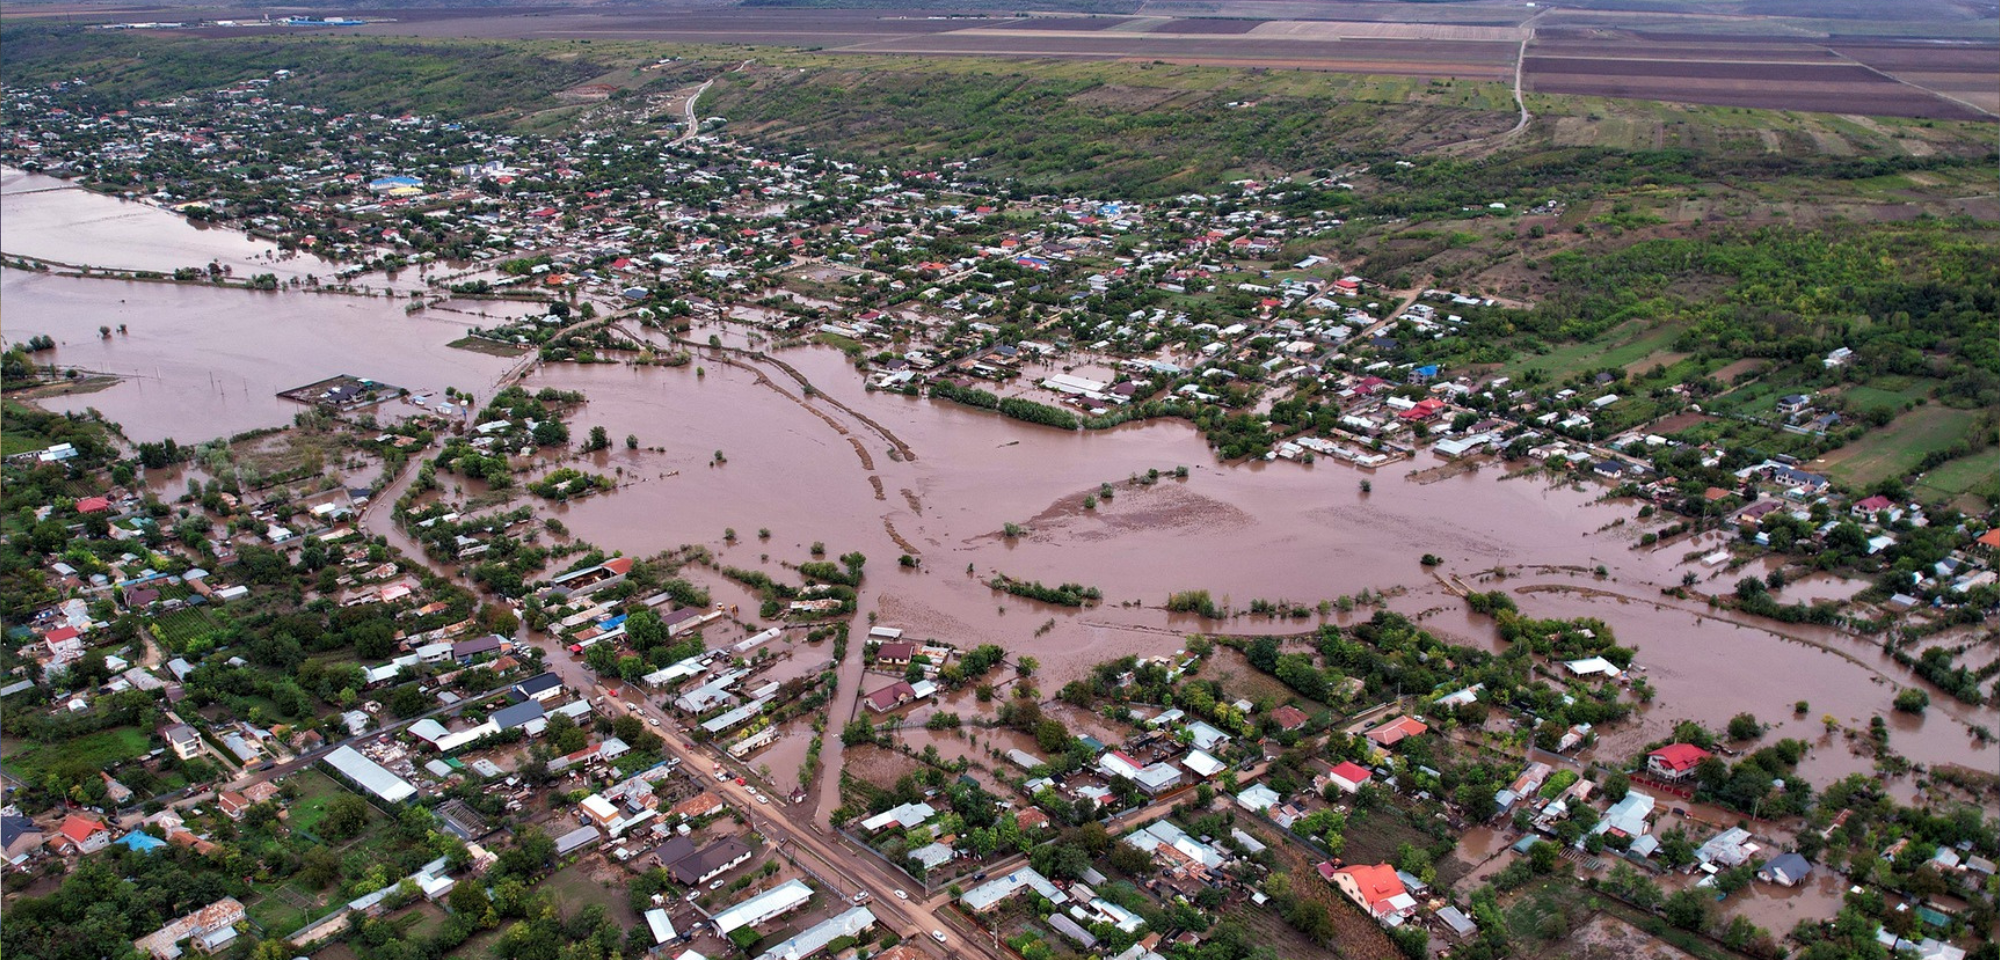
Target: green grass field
x=102 y=750
x=1621 y=346
x=316 y=790
x=1976 y=476
x=1889 y=393
x=1896 y=449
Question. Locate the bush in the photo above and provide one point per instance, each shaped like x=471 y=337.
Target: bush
x=1912 y=700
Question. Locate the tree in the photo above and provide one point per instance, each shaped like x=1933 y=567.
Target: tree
x=1687 y=908
x=860 y=730
x=345 y=816
x=1912 y=700
x=1744 y=726
x=599 y=439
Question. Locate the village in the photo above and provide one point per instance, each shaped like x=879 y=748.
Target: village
x=480 y=736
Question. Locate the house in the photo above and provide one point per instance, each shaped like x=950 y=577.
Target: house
x=1376 y=888
x=1675 y=761
x=80 y=835
x=712 y=861
x=466 y=651
x=19 y=837
x=181 y=738
x=896 y=654
x=542 y=687
x=1289 y=717
x=210 y=930
x=233 y=804
x=1869 y=506
x=1799 y=480
x=1348 y=776
x=892 y=696
x=1786 y=870
x=1396 y=731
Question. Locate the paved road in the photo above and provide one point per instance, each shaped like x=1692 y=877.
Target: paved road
x=846 y=869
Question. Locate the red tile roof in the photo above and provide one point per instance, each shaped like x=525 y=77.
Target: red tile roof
x=1680 y=756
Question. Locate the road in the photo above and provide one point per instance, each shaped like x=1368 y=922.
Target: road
x=847 y=870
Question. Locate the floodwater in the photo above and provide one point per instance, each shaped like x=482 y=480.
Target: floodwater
x=53 y=219
x=198 y=362
x=888 y=475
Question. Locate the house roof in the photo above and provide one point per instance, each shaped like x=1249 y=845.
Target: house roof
x=1351 y=772
x=80 y=828
x=1680 y=756
x=1395 y=731
x=1377 y=882
x=1289 y=717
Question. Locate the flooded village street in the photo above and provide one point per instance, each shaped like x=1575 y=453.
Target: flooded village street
x=829 y=467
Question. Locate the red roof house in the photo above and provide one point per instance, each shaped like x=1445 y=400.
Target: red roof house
x=1348 y=776
x=81 y=834
x=93 y=505
x=1675 y=761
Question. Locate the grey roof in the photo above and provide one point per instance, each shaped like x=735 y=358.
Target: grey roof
x=815 y=938
x=580 y=837
x=372 y=776
x=13 y=827
x=507 y=718
x=1069 y=928
x=537 y=684
x=712 y=858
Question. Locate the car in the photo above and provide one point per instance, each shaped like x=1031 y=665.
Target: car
x=900 y=895
x=937 y=935
x=721 y=774
x=740 y=781
x=763 y=799
x=717 y=885
x=655 y=721
x=981 y=875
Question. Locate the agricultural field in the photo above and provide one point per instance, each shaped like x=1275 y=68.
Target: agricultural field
x=184 y=627
x=1971 y=483
x=1634 y=345
x=1899 y=448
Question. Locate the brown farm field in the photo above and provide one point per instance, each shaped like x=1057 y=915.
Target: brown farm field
x=1825 y=87
x=1774 y=63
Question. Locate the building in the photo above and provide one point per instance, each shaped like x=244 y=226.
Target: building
x=896 y=654
x=542 y=687
x=907 y=815
x=815 y=938
x=183 y=741
x=1786 y=870
x=208 y=930
x=660 y=925
x=772 y=903
x=577 y=839
x=232 y=803
x=992 y=893
x=713 y=861
x=1348 y=776
x=1675 y=761
x=369 y=775
x=19 y=837
x=1289 y=717
x=1396 y=731
x=80 y=835
x=1376 y=888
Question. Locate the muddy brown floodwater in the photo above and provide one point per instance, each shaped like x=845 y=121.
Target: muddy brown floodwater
x=887 y=474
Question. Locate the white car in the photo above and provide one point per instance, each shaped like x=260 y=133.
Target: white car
x=763 y=799
x=937 y=935
x=900 y=895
